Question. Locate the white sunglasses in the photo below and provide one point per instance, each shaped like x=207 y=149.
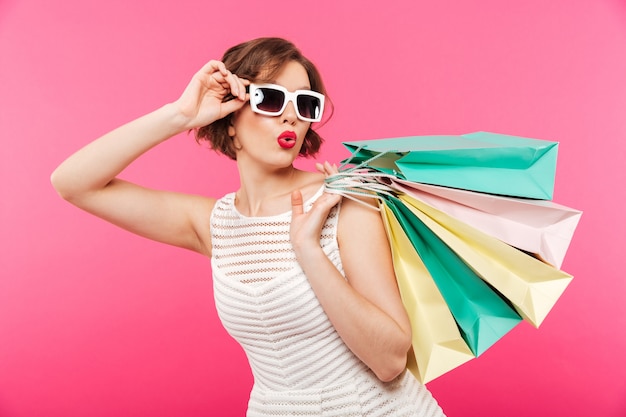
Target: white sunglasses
x=272 y=99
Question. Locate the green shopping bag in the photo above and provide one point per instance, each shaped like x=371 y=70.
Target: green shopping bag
x=484 y=162
x=437 y=345
x=482 y=315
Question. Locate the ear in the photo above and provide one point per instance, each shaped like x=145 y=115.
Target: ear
x=231 y=126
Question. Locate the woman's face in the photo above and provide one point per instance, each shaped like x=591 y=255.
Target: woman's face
x=272 y=140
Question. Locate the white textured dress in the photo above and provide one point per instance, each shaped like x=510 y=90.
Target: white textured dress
x=301 y=366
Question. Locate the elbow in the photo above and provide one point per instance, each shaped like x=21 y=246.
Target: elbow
x=63 y=185
x=394 y=362
x=59 y=185
x=392 y=368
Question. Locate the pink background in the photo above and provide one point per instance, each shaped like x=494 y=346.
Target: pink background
x=97 y=322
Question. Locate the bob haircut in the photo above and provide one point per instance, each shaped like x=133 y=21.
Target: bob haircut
x=249 y=60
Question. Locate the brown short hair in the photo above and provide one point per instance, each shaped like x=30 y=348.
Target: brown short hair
x=248 y=60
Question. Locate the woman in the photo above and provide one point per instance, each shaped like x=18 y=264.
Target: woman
x=308 y=292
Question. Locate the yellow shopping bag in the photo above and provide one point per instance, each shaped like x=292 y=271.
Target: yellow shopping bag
x=437 y=344
x=532 y=286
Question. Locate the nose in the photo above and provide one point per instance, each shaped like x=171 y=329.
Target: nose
x=289 y=115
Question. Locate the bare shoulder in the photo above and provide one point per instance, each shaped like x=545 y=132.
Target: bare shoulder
x=360 y=227
x=359 y=214
x=310 y=183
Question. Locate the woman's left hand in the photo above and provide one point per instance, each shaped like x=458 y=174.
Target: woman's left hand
x=306 y=228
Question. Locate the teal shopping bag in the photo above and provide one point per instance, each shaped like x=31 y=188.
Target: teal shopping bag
x=484 y=162
x=482 y=315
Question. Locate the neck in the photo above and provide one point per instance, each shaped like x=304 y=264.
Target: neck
x=265 y=192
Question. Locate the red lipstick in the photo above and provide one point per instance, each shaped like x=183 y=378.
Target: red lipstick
x=287 y=139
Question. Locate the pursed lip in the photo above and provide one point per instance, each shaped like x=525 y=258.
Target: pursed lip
x=287 y=139
x=288 y=135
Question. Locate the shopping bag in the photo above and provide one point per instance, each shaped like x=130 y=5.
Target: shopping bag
x=543 y=228
x=482 y=161
x=437 y=345
x=482 y=315
x=532 y=286
x=477 y=259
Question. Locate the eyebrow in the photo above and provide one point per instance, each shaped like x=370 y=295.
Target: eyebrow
x=307 y=87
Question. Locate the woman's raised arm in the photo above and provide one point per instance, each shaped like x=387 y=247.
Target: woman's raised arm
x=88 y=178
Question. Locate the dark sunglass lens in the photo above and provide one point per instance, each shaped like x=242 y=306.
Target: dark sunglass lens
x=270 y=100
x=309 y=106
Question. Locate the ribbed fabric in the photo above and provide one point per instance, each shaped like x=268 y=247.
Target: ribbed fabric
x=301 y=366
